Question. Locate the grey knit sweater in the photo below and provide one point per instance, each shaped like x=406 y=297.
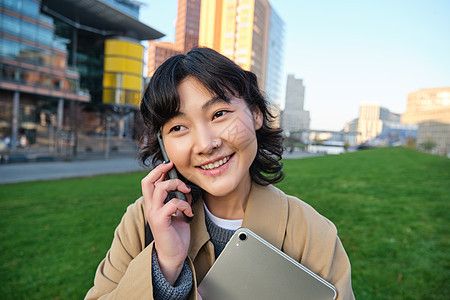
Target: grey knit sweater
x=162 y=290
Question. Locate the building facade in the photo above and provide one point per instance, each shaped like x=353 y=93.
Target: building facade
x=187 y=26
x=157 y=53
x=351 y=126
x=250 y=33
x=275 y=59
x=61 y=62
x=186 y=35
x=430 y=110
x=428 y=105
x=372 y=120
x=34 y=72
x=295 y=118
x=436 y=133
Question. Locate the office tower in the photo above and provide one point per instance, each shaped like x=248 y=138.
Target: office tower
x=186 y=35
x=295 y=118
x=373 y=119
x=430 y=110
x=104 y=42
x=187 y=26
x=157 y=53
x=64 y=58
x=275 y=58
x=351 y=126
x=428 y=105
x=241 y=30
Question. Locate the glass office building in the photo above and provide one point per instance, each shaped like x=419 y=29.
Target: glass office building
x=60 y=60
x=275 y=58
x=33 y=71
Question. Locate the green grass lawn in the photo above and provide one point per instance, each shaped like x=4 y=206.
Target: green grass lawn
x=391 y=207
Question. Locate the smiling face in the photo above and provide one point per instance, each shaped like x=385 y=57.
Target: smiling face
x=212 y=141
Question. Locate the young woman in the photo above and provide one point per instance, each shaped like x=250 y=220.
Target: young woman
x=218 y=134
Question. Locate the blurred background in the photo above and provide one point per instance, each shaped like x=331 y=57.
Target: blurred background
x=340 y=75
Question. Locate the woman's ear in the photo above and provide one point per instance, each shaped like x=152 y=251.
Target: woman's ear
x=257 y=118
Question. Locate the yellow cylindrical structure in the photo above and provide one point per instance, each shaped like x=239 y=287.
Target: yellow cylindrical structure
x=122 y=74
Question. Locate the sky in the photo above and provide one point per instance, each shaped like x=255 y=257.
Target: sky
x=352 y=51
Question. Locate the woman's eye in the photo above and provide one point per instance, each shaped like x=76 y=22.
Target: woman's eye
x=219 y=114
x=176 y=128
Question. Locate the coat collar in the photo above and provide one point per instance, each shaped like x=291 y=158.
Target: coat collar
x=199 y=233
x=266 y=214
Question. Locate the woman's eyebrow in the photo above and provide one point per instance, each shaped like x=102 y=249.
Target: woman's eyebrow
x=178 y=114
x=212 y=101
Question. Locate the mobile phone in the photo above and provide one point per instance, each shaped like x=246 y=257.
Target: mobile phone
x=172 y=174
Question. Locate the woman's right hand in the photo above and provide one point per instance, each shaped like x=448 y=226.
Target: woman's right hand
x=170 y=231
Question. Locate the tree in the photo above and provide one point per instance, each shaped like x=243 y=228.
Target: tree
x=428 y=145
x=410 y=143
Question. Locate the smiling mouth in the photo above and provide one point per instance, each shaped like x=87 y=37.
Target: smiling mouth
x=216 y=164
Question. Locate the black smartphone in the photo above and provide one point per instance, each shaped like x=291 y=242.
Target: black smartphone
x=172 y=175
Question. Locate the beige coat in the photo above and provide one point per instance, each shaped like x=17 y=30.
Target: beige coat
x=285 y=221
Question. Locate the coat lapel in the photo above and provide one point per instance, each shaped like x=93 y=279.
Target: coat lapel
x=199 y=233
x=266 y=213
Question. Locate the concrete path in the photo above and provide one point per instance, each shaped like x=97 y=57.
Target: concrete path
x=299 y=154
x=12 y=173
x=34 y=171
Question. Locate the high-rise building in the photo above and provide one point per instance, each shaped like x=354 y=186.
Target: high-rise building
x=430 y=109
x=186 y=35
x=351 y=126
x=275 y=59
x=157 y=53
x=372 y=119
x=60 y=57
x=428 y=105
x=187 y=26
x=247 y=32
x=295 y=118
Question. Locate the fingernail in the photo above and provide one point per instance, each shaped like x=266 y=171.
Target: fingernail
x=166 y=162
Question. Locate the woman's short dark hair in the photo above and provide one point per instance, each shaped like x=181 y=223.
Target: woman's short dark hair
x=222 y=77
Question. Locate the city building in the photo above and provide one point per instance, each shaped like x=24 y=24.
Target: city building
x=395 y=134
x=295 y=118
x=186 y=35
x=187 y=26
x=34 y=72
x=436 y=135
x=372 y=119
x=65 y=62
x=157 y=53
x=428 y=105
x=248 y=32
x=351 y=126
x=275 y=59
x=430 y=110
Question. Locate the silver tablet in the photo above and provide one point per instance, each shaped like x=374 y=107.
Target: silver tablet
x=251 y=268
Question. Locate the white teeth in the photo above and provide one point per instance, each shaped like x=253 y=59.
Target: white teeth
x=216 y=164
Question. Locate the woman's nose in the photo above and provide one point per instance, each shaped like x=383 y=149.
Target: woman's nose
x=206 y=141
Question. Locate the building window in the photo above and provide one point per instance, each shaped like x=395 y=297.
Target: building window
x=30 y=8
x=45 y=36
x=11 y=25
x=9 y=48
x=13 y=5
x=29 y=31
